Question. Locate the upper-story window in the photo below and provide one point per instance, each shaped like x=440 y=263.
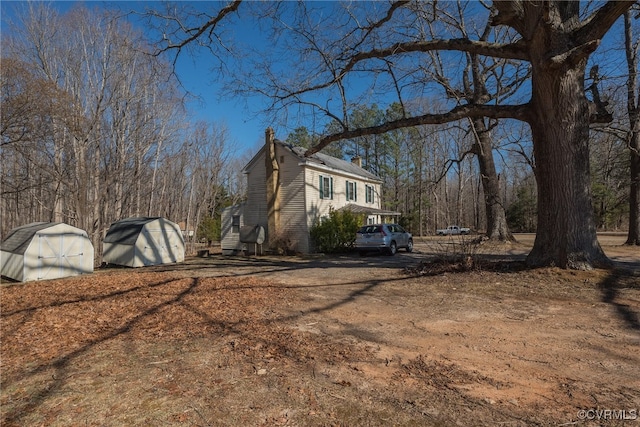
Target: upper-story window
x=235 y=224
x=326 y=187
x=351 y=190
x=369 y=193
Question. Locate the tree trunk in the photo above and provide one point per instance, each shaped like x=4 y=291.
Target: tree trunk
x=190 y=243
x=633 y=110
x=99 y=206
x=497 y=228
x=566 y=235
x=461 y=179
x=633 y=238
x=58 y=196
x=420 y=179
x=154 y=174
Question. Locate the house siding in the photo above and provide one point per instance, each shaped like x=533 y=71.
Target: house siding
x=255 y=211
x=318 y=208
x=293 y=225
x=292 y=201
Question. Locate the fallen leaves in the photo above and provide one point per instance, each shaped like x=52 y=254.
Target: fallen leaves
x=48 y=321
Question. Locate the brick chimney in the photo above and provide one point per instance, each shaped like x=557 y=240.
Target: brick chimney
x=357 y=160
x=273 y=185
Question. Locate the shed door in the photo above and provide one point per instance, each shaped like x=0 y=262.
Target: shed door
x=161 y=246
x=59 y=255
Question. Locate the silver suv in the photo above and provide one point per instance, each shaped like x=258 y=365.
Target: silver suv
x=383 y=238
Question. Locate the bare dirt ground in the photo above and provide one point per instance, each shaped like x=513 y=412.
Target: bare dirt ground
x=327 y=341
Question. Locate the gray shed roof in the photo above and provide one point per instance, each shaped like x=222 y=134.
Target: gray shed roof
x=19 y=238
x=126 y=231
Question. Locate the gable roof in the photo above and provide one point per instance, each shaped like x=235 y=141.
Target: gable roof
x=319 y=159
x=126 y=231
x=330 y=161
x=19 y=238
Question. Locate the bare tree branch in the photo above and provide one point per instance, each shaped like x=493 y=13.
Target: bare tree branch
x=597 y=25
x=515 y=50
x=196 y=33
x=520 y=112
x=394 y=6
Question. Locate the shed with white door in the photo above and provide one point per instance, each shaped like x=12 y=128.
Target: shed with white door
x=139 y=242
x=46 y=250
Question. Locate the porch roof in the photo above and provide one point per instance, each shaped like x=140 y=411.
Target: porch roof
x=359 y=209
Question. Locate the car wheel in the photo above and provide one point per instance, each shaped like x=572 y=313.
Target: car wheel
x=410 y=246
x=393 y=248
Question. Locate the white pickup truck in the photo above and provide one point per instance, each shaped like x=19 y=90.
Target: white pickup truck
x=452 y=230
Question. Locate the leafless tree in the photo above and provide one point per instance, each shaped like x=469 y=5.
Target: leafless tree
x=208 y=149
x=97 y=107
x=505 y=78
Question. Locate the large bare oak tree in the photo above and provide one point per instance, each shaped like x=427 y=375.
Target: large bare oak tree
x=557 y=43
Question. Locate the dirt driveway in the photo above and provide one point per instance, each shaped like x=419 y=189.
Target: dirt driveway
x=342 y=340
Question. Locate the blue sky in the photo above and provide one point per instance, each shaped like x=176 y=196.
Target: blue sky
x=246 y=129
x=242 y=116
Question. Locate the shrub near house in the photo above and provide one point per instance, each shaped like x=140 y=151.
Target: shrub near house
x=336 y=233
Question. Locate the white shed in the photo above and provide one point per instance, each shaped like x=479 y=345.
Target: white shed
x=232 y=220
x=137 y=242
x=46 y=250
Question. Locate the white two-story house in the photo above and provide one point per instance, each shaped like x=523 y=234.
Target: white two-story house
x=288 y=193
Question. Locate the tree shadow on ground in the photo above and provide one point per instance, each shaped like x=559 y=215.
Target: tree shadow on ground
x=60 y=363
x=620 y=279
x=49 y=377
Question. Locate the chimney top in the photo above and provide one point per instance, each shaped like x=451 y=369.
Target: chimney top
x=357 y=160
